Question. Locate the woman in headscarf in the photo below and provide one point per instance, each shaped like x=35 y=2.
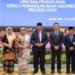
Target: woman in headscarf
x=8 y=41
x=23 y=42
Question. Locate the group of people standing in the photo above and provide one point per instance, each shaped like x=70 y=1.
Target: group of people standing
x=11 y=42
x=38 y=40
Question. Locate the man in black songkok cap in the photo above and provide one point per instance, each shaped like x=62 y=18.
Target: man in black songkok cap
x=69 y=42
x=39 y=40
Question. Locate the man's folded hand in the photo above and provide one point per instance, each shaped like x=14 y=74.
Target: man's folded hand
x=56 y=47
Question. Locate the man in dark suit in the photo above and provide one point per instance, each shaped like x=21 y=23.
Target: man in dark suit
x=39 y=40
x=69 y=41
x=56 y=38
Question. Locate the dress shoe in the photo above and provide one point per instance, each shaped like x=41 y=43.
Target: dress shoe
x=43 y=72
x=59 y=71
x=68 y=72
x=52 y=71
x=35 y=71
x=73 y=72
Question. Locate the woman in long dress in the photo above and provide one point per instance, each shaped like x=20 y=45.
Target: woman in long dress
x=8 y=41
x=23 y=42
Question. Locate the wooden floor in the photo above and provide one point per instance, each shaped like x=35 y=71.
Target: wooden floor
x=30 y=72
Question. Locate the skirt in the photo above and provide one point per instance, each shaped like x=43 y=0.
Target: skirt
x=8 y=66
x=8 y=62
x=24 y=61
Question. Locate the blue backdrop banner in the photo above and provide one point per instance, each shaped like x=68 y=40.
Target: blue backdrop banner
x=29 y=12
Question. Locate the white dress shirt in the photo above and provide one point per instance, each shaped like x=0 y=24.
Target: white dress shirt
x=40 y=35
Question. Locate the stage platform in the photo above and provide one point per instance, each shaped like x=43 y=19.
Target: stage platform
x=39 y=73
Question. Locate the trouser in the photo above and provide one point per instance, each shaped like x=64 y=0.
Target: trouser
x=53 y=57
x=70 y=60
x=39 y=58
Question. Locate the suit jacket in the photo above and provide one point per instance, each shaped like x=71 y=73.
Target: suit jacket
x=35 y=39
x=56 y=39
x=68 y=43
